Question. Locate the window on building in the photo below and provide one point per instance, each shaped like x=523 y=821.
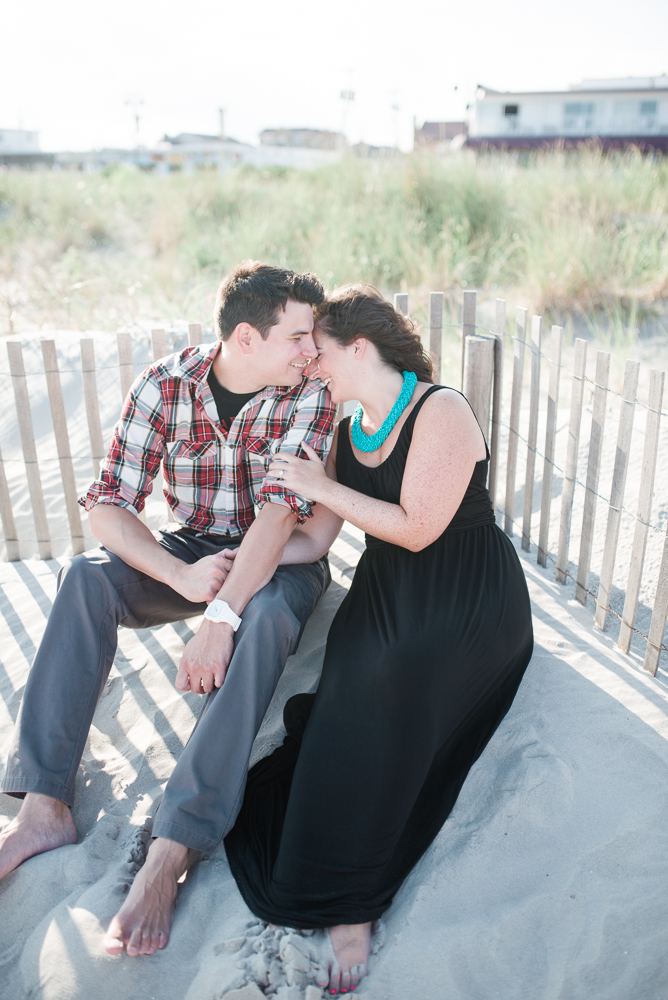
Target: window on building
x=648 y=108
x=511 y=110
x=579 y=115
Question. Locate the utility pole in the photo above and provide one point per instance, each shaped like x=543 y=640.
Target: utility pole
x=135 y=103
x=347 y=97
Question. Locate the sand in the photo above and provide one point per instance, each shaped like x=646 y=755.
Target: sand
x=547 y=882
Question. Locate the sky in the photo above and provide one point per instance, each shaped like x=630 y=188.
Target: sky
x=75 y=70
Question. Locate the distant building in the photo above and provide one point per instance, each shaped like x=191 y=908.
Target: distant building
x=364 y=151
x=302 y=138
x=631 y=111
x=435 y=133
x=20 y=148
x=194 y=138
x=191 y=151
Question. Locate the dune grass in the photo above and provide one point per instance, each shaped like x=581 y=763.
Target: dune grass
x=563 y=233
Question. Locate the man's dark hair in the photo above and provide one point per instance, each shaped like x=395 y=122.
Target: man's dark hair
x=256 y=293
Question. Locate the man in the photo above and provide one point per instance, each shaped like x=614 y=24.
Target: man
x=214 y=416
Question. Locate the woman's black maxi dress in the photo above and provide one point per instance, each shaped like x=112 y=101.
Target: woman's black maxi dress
x=423 y=660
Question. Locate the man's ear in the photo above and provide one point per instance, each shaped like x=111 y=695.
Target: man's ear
x=243 y=337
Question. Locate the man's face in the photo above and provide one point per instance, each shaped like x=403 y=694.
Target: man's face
x=289 y=348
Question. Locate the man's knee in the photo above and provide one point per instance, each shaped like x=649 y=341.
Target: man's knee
x=269 y=609
x=91 y=569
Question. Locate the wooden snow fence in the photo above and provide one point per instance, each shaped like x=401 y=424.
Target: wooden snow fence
x=506 y=423
x=482 y=376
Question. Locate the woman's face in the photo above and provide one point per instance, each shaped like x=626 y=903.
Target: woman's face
x=334 y=366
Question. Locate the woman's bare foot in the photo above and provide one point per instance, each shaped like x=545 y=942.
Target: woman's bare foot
x=41 y=825
x=346 y=965
x=143 y=923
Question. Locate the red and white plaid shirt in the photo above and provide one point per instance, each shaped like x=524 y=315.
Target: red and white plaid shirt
x=213 y=480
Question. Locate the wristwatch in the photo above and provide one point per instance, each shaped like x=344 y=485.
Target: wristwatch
x=220 y=611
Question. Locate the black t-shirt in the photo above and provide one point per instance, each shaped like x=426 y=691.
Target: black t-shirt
x=227 y=403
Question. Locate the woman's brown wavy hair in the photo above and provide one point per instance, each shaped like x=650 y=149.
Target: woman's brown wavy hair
x=361 y=311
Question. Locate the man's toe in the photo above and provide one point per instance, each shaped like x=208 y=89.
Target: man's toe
x=113 y=939
x=134 y=942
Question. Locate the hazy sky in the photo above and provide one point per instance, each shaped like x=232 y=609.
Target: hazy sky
x=67 y=68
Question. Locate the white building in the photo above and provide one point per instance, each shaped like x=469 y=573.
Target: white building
x=18 y=140
x=632 y=111
x=20 y=148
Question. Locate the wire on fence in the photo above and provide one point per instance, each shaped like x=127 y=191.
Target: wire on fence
x=586 y=378
x=587 y=489
x=446 y=326
x=659 y=646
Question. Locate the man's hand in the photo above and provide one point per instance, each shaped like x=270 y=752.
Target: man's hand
x=202 y=580
x=206 y=658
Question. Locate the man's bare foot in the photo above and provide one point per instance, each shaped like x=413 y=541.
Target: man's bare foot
x=42 y=824
x=346 y=965
x=143 y=923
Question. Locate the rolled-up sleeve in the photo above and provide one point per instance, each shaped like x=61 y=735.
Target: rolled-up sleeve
x=136 y=450
x=313 y=423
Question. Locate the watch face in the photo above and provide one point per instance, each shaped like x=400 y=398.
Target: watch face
x=215 y=607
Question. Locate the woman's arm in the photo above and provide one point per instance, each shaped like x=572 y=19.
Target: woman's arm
x=311 y=540
x=443 y=453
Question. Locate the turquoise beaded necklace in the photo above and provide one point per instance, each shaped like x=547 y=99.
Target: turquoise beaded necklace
x=372 y=442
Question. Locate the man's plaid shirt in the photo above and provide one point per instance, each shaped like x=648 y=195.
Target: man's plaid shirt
x=213 y=481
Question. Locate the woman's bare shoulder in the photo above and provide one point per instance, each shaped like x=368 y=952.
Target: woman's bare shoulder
x=446 y=413
x=446 y=401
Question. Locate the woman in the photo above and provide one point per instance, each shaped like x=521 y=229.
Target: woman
x=423 y=658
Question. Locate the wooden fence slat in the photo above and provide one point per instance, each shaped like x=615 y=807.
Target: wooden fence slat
x=556 y=344
x=657 y=625
x=468 y=323
x=499 y=331
x=532 y=437
x=478 y=374
x=436 y=331
x=125 y=366
x=7 y=517
x=59 y=419
x=650 y=450
x=515 y=402
x=627 y=408
x=401 y=302
x=127 y=373
x=593 y=469
x=570 y=472
x=91 y=400
x=194 y=334
x=159 y=344
x=17 y=369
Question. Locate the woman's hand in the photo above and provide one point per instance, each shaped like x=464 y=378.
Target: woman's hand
x=300 y=475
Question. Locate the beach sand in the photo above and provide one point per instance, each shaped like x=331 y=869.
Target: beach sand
x=547 y=881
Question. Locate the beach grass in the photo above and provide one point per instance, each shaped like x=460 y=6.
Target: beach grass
x=564 y=233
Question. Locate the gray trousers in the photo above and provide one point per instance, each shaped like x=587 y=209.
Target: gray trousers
x=97 y=592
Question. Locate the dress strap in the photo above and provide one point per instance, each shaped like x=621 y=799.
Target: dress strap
x=416 y=409
x=418 y=406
